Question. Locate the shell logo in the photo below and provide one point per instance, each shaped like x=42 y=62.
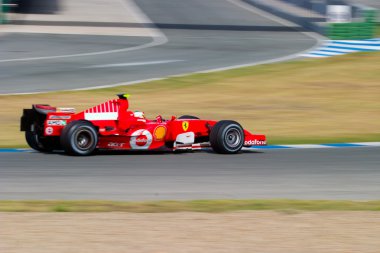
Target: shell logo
x=159 y=133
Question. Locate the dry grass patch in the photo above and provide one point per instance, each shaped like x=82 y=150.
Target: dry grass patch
x=335 y=99
x=209 y=206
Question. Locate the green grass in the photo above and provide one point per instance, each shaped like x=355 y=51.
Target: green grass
x=377 y=34
x=304 y=101
x=188 y=206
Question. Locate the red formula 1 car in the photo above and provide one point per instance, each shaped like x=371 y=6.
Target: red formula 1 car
x=111 y=126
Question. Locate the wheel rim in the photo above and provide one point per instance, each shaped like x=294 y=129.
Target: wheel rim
x=83 y=139
x=233 y=138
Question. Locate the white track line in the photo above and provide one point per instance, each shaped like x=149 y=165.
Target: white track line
x=104 y=86
x=319 y=40
x=314 y=56
x=373 y=144
x=304 y=146
x=158 y=39
x=128 y=64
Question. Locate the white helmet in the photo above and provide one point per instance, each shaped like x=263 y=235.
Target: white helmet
x=140 y=115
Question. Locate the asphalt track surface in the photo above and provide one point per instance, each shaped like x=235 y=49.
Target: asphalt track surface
x=198 y=35
x=333 y=173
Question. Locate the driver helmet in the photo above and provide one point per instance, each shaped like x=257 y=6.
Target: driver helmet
x=140 y=115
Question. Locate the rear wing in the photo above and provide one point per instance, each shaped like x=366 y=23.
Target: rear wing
x=35 y=116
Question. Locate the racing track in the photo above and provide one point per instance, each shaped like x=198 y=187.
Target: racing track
x=333 y=173
x=198 y=35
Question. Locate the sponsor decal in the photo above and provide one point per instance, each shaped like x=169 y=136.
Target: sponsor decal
x=56 y=122
x=116 y=144
x=49 y=130
x=66 y=110
x=255 y=143
x=59 y=117
x=159 y=133
x=185 y=125
x=141 y=139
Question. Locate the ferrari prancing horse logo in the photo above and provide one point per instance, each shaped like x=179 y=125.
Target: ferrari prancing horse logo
x=185 y=125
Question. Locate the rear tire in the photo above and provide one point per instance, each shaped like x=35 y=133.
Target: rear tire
x=227 y=137
x=34 y=141
x=41 y=144
x=188 y=117
x=79 y=138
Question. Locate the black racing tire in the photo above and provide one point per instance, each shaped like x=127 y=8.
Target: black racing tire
x=227 y=137
x=34 y=141
x=41 y=144
x=79 y=138
x=188 y=117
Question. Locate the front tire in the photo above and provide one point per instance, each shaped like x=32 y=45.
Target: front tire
x=227 y=137
x=79 y=138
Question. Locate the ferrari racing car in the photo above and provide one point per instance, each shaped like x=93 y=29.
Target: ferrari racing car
x=111 y=126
